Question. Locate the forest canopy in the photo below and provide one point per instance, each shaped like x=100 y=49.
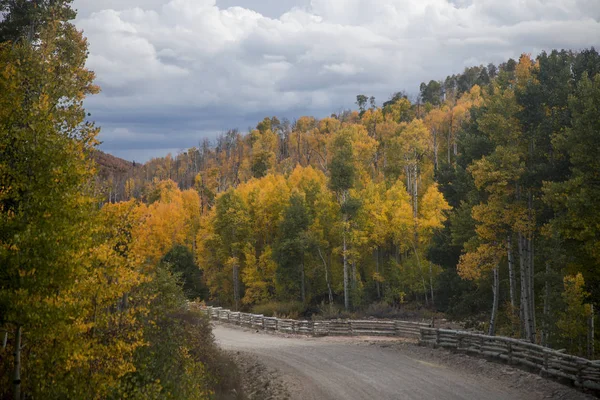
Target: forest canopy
x=478 y=198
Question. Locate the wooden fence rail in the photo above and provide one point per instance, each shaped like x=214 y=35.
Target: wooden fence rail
x=344 y=327
x=581 y=371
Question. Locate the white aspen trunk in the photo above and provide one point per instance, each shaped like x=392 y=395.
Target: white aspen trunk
x=524 y=273
x=511 y=273
x=431 y=284
x=17 y=366
x=407 y=171
x=495 y=290
x=422 y=274
x=416 y=192
x=330 y=292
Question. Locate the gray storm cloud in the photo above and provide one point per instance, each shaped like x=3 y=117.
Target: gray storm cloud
x=176 y=71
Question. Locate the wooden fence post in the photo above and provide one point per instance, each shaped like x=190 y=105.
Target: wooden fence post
x=579 y=374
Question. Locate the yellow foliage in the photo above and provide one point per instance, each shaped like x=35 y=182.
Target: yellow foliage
x=483 y=259
x=572 y=323
x=432 y=213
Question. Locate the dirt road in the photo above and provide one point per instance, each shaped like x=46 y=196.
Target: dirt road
x=344 y=368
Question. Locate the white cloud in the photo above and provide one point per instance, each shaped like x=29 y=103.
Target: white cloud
x=192 y=67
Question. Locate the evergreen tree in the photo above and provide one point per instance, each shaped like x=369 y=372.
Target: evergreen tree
x=289 y=251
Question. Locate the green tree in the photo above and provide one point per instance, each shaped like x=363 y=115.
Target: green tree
x=290 y=250
x=221 y=243
x=45 y=198
x=24 y=20
x=181 y=262
x=343 y=172
x=575 y=200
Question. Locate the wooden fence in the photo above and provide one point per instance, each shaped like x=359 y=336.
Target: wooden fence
x=551 y=363
x=340 y=327
x=581 y=371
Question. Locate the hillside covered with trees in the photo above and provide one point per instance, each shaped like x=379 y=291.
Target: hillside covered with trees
x=479 y=199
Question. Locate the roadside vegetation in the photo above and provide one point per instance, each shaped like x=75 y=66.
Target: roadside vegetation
x=90 y=308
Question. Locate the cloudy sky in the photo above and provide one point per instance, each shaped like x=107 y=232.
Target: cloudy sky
x=175 y=71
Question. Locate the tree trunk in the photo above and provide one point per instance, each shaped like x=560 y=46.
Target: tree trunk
x=495 y=290
x=416 y=192
x=302 y=284
x=345 y=258
x=354 y=277
x=407 y=171
x=525 y=292
x=511 y=273
x=531 y=268
x=545 y=331
x=17 y=366
x=327 y=279
x=422 y=274
x=431 y=284
x=236 y=286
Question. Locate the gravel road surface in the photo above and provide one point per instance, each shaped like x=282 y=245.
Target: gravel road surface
x=348 y=368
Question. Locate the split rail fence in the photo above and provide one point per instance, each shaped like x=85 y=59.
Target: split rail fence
x=580 y=371
x=346 y=327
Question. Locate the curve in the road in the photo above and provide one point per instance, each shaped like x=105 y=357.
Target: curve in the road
x=326 y=369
